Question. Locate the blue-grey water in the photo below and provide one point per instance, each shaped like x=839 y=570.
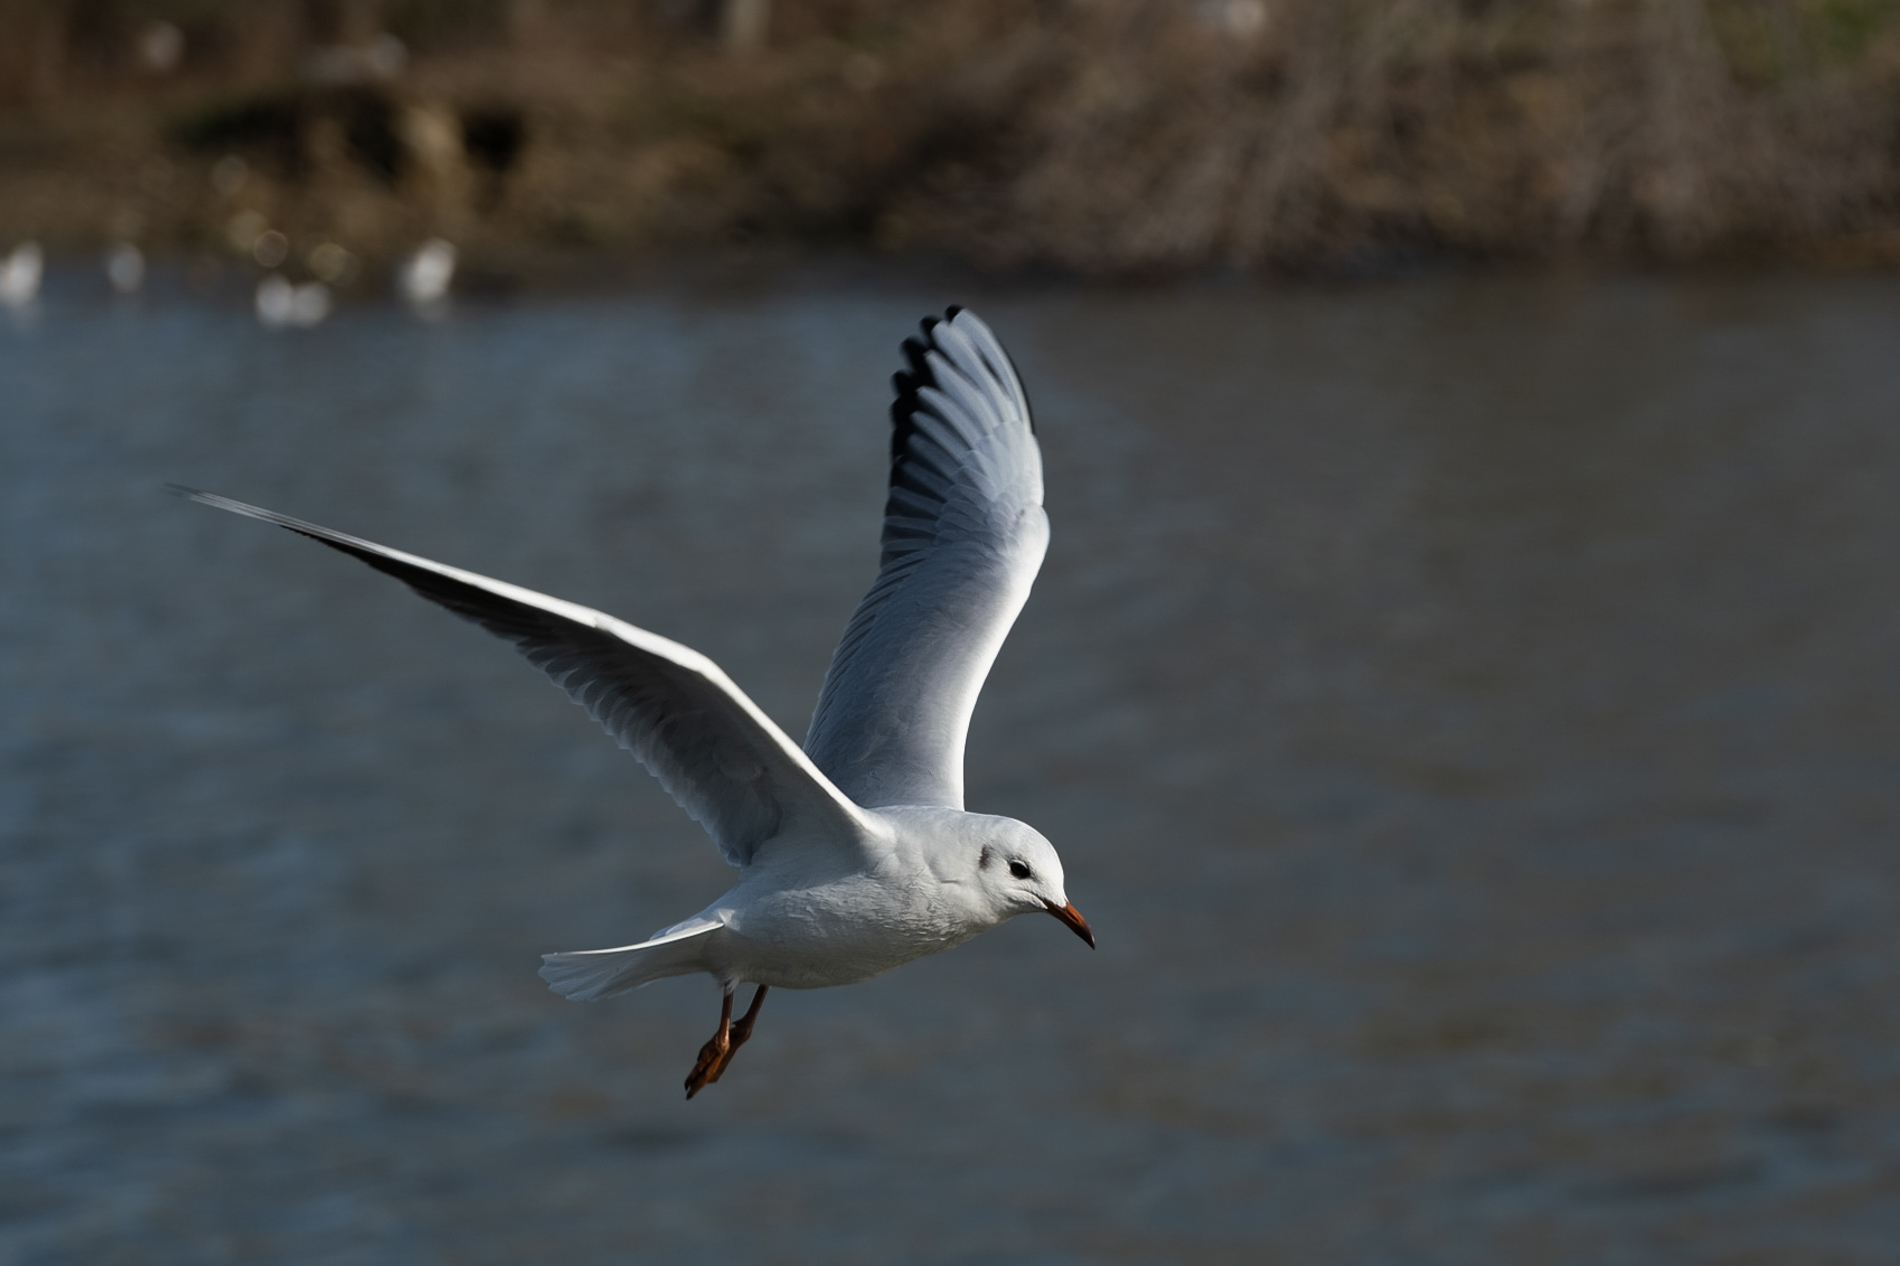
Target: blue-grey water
x=1468 y=708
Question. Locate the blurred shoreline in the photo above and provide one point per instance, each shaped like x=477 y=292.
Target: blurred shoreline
x=556 y=140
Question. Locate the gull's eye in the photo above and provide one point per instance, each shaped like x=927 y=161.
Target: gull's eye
x=1019 y=869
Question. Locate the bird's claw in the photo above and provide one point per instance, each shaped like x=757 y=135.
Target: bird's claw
x=713 y=1058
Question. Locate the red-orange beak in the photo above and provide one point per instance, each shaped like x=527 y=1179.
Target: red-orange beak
x=1073 y=917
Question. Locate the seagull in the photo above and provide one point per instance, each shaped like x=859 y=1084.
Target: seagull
x=281 y=304
x=20 y=275
x=125 y=266
x=424 y=277
x=855 y=853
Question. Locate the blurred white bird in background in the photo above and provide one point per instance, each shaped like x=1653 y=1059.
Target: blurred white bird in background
x=423 y=280
x=20 y=275
x=281 y=304
x=125 y=267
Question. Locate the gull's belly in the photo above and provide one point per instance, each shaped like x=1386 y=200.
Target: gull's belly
x=813 y=938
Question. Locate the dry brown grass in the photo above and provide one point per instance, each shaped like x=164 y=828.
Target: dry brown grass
x=1099 y=136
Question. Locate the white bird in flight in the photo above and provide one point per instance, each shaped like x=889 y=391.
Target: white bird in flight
x=855 y=854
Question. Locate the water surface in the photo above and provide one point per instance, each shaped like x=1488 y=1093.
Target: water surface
x=1468 y=710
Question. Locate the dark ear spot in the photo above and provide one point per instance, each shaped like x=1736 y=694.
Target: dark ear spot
x=984 y=858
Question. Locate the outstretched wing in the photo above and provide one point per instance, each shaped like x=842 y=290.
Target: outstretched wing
x=964 y=534
x=726 y=763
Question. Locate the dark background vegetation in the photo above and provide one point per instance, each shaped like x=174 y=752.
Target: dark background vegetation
x=1120 y=137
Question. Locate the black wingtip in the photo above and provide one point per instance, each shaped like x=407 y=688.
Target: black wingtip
x=950 y=314
x=914 y=353
x=906 y=383
x=932 y=322
x=914 y=349
x=916 y=375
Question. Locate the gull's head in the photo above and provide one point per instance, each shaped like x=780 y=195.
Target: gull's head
x=1018 y=872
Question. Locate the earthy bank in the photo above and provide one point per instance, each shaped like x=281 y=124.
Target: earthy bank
x=1109 y=137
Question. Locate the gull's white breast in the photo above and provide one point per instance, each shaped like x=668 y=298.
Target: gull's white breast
x=796 y=929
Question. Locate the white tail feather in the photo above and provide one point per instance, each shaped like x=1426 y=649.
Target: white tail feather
x=590 y=975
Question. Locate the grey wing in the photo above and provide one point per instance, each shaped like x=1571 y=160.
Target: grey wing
x=710 y=746
x=964 y=535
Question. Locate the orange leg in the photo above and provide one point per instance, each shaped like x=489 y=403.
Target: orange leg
x=740 y=1032
x=713 y=1053
x=717 y=1053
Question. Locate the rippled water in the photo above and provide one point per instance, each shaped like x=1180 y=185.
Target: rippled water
x=1469 y=710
